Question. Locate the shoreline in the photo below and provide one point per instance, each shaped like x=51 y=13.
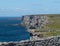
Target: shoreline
x=50 y=41
x=22 y=41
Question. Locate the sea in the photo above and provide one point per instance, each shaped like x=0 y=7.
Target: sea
x=11 y=32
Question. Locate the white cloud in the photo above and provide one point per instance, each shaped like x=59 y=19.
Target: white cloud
x=21 y=9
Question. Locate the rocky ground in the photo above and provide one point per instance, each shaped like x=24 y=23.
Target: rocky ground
x=47 y=42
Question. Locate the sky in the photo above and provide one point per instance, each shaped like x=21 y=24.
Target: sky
x=28 y=7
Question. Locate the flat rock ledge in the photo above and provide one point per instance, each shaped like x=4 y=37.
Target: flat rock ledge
x=50 y=41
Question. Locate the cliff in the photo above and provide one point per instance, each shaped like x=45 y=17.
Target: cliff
x=34 y=21
x=42 y=25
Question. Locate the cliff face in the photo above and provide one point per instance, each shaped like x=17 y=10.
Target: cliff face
x=34 y=21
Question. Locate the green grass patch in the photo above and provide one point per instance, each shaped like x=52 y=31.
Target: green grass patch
x=53 y=33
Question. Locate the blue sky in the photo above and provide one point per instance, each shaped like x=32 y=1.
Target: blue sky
x=27 y=7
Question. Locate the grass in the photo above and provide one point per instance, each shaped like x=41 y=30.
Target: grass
x=53 y=33
x=54 y=22
x=53 y=26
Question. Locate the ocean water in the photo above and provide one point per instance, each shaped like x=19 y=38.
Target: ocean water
x=11 y=32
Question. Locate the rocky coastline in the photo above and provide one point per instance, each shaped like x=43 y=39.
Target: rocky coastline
x=33 y=22
x=51 y=41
